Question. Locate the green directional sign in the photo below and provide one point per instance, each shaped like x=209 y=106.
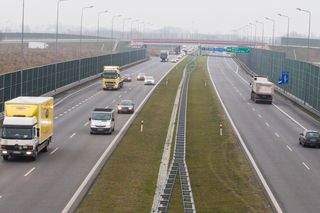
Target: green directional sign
x=238 y=49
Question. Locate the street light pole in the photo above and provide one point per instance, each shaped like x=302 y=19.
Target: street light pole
x=306 y=93
x=262 y=36
x=116 y=16
x=98 y=28
x=309 y=12
x=81 y=38
x=287 y=48
x=22 y=30
x=273 y=28
x=124 y=20
x=56 y=48
x=132 y=27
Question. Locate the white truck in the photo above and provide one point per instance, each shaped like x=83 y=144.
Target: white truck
x=262 y=90
x=27 y=126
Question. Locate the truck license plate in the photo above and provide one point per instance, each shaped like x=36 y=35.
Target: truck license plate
x=16 y=152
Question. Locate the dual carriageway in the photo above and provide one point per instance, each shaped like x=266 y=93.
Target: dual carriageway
x=270 y=133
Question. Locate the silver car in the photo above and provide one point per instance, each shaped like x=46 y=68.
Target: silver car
x=149 y=80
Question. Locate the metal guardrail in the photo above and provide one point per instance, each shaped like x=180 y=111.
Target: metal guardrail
x=178 y=165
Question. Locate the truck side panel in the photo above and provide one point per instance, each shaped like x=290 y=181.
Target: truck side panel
x=46 y=120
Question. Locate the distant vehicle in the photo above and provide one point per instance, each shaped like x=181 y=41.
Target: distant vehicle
x=127 y=78
x=111 y=78
x=262 y=90
x=179 y=56
x=27 y=127
x=37 y=45
x=164 y=55
x=149 y=80
x=126 y=106
x=309 y=138
x=177 y=50
x=173 y=60
x=141 y=76
x=102 y=121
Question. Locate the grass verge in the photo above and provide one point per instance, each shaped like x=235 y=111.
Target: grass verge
x=128 y=180
x=221 y=178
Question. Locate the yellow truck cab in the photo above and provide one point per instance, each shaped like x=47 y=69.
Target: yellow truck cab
x=111 y=78
x=27 y=126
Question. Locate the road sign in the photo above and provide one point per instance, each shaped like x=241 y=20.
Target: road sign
x=283 y=78
x=238 y=49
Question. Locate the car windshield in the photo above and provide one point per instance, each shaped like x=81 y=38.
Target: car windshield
x=313 y=135
x=141 y=74
x=24 y=133
x=101 y=116
x=112 y=75
x=149 y=78
x=126 y=102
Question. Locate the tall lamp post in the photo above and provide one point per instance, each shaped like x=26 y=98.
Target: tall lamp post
x=288 y=18
x=309 y=12
x=116 y=16
x=262 y=36
x=56 y=48
x=81 y=37
x=273 y=28
x=133 y=21
x=22 y=30
x=123 y=24
x=98 y=26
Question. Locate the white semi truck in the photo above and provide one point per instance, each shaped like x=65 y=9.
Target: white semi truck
x=262 y=90
x=27 y=126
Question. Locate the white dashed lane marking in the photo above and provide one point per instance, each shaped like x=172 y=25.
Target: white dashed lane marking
x=305 y=165
x=56 y=149
x=277 y=134
x=289 y=148
x=29 y=172
x=71 y=136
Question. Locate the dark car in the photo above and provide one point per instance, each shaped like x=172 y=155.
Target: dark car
x=126 y=106
x=309 y=138
x=127 y=78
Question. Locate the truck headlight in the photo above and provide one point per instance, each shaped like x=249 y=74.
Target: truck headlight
x=29 y=153
x=4 y=152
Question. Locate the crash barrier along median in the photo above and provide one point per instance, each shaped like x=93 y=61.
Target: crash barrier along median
x=178 y=165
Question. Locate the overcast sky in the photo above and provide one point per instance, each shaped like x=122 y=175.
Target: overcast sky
x=204 y=16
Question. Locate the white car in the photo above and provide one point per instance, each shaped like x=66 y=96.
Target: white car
x=173 y=60
x=148 y=80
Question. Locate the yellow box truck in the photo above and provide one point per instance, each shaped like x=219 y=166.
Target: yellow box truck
x=27 y=126
x=111 y=78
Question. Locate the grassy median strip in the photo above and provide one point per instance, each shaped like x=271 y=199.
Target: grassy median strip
x=128 y=180
x=221 y=178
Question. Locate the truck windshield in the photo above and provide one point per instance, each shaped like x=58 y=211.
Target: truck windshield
x=101 y=116
x=24 y=133
x=111 y=75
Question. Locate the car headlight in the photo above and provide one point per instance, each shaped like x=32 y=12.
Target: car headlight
x=130 y=108
x=119 y=107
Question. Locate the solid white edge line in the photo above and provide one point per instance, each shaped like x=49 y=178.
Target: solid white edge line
x=29 y=172
x=305 y=165
x=56 y=149
x=291 y=118
x=96 y=166
x=255 y=166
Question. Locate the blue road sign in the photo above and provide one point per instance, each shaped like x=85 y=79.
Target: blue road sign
x=283 y=78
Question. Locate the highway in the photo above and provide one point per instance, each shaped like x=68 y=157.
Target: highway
x=271 y=134
x=48 y=184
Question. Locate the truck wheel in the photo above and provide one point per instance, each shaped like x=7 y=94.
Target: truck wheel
x=5 y=157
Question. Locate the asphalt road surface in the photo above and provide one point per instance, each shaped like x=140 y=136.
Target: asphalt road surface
x=271 y=133
x=47 y=184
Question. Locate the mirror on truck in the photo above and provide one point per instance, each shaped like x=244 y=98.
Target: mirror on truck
x=301 y=134
x=112 y=119
x=38 y=132
x=89 y=119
